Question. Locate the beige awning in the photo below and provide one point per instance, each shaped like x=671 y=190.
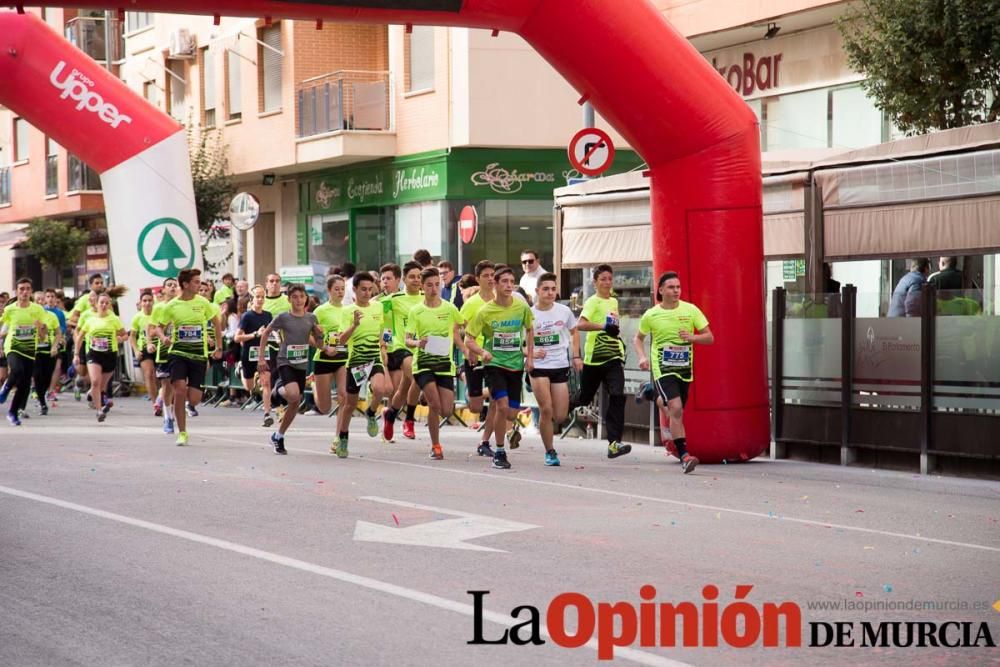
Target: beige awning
x=784 y=235
x=925 y=228
x=11 y=235
x=611 y=228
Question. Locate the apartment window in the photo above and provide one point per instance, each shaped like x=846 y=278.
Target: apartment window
x=419 y=57
x=137 y=20
x=20 y=140
x=151 y=91
x=176 y=88
x=51 y=167
x=208 y=87
x=80 y=176
x=269 y=68
x=234 y=103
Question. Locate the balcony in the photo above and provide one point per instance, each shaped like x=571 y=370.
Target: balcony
x=88 y=34
x=343 y=117
x=4 y=185
x=80 y=177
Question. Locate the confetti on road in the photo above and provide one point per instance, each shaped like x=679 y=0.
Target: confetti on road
x=858 y=594
x=395 y=518
x=867 y=548
x=859 y=511
x=887 y=588
x=718 y=515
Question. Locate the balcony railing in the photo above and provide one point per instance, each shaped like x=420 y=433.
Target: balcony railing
x=80 y=176
x=346 y=100
x=52 y=175
x=88 y=34
x=4 y=185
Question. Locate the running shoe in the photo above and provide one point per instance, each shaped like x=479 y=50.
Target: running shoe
x=551 y=458
x=44 y=410
x=90 y=399
x=616 y=449
x=168 y=425
x=4 y=392
x=268 y=420
x=157 y=409
x=192 y=411
x=182 y=439
x=51 y=397
x=101 y=416
x=513 y=437
x=13 y=419
x=388 y=429
x=645 y=389
x=437 y=453
x=408 y=429
x=689 y=463
x=278 y=442
x=77 y=394
x=372 y=425
x=500 y=459
x=314 y=413
x=484 y=449
x=23 y=414
x=341 y=450
x=107 y=404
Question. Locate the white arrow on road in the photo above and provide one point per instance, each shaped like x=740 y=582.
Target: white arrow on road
x=444 y=534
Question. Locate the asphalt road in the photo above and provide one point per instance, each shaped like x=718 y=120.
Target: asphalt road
x=119 y=548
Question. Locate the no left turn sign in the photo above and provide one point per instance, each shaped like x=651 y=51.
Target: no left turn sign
x=591 y=151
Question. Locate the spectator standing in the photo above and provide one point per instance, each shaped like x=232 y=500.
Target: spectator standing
x=532 y=272
x=948 y=277
x=905 y=301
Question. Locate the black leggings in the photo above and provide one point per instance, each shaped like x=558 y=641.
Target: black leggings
x=612 y=375
x=45 y=365
x=19 y=379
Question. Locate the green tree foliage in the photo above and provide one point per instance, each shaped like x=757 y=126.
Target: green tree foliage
x=930 y=64
x=213 y=185
x=55 y=243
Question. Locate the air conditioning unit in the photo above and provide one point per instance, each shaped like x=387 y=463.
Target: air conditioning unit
x=182 y=46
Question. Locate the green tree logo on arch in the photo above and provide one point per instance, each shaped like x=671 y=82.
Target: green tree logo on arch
x=165 y=247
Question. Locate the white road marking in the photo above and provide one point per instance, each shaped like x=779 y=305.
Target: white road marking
x=443 y=533
x=633 y=655
x=495 y=478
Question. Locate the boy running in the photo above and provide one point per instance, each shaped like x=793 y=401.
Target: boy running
x=505 y=326
x=397 y=308
x=252 y=325
x=22 y=326
x=331 y=369
x=433 y=328
x=675 y=326
x=361 y=330
x=555 y=337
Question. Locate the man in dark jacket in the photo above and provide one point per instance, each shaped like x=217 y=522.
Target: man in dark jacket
x=949 y=277
x=905 y=301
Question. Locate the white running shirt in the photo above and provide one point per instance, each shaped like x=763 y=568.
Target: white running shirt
x=552 y=334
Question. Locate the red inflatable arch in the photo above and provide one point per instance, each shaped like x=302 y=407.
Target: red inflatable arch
x=700 y=140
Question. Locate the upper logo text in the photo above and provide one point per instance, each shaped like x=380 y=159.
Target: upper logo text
x=76 y=86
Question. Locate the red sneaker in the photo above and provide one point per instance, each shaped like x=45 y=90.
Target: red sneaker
x=436 y=453
x=408 y=429
x=387 y=430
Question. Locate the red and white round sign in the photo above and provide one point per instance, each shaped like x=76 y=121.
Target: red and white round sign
x=468 y=224
x=591 y=151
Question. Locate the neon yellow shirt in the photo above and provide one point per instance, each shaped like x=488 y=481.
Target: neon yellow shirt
x=329 y=318
x=189 y=317
x=669 y=354
x=365 y=344
x=22 y=334
x=101 y=332
x=601 y=348
x=439 y=321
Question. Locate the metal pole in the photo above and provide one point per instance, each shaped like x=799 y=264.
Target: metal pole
x=777 y=370
x=588 y=115
x=928 y=313
x=848 y=313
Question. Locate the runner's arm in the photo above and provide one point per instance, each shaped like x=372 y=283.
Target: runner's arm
x=460 y=340
x=574 y=349
x=639 y=345
x=529 y=350
x=262 y=355
x=583 y=324
x=704 y=336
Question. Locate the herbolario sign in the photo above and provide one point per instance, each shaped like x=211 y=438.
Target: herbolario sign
x=469 y=173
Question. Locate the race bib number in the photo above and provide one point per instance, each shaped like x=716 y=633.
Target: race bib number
x=189 y=333
x=506 y=341
x=254 y=354
x=297 y=352
x=361 y=373
x=546 y=338
x=100 y=344
x=676 y=356
x=24 y=332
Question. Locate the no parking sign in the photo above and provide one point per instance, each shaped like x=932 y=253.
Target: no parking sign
x=591 y=151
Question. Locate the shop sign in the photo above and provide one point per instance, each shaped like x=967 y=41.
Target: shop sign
x=505 y=181
x=753 y=74
x=379 y=185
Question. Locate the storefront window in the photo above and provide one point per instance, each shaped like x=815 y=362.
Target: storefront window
x=798 y=120
x=329 y=238
x=374 y=237
x=505 y=229
x=421 y=225
x=855 y=122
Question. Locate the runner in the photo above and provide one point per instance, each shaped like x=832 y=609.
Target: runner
x=389 y=277
x=75 y=322
x=46 y=356
x=145 y=351
x=433 y=328
x=253 y=324
x=361 y=329
x=164 y=405
x=275 y=302
x=396 y=307
x=87 y=301
x=101 y=332
x=63 y=360
x=188 y=351
x=330 y=370
x=604 y=358
x=555 y=336
x=473 y=366
x=505 y=325
x=296 y=329
x=675 y=326
x=22 y=325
